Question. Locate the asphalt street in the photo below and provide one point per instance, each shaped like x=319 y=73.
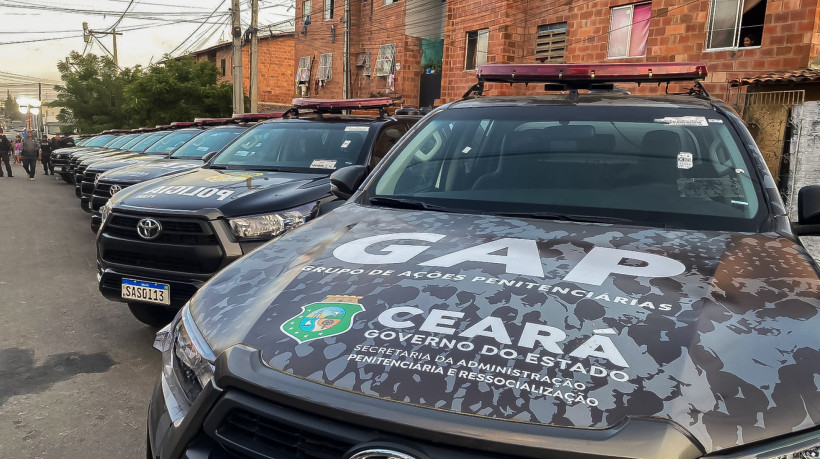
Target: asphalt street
x=76 y=370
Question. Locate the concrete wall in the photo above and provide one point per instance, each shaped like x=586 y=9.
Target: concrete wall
x=806 y=169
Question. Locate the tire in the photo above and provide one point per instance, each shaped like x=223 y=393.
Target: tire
x=149 y=314
x=66 y=178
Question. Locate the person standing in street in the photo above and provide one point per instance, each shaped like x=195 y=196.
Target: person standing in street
x=5 y=152
x=45 y=155
x=18 y=142
x=29 y=152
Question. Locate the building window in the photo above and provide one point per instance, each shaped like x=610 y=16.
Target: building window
x=735 y=23
x=306 y=12
x=303 y=71
x=390 y=2
x=222 y=65
x=328 y=10
x=628 y=30
x=385 y=60
x=364 y=63
x=326 y=67
x=477 y=42
x=551 y=42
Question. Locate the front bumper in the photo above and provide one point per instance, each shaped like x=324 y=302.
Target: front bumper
x=251 y=410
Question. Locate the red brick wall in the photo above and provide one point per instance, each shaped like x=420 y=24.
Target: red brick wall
x=372 y=24
x=791 y=38
x=275 y=61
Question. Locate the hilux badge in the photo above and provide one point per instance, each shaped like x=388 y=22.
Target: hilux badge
x=330 y=317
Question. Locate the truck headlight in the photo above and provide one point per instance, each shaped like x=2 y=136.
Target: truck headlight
x=187 y=364
x=268 y=226
x=800 y=446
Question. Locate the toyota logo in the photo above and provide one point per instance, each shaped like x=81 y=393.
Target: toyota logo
x=148 y=228
x=380 y=453
x=114 y=189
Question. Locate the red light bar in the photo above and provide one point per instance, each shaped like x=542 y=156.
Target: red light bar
x=211 y=121
x=592 y=73
x=163 y=127
x=249 y=117
x=182 y=124
x=343 y=104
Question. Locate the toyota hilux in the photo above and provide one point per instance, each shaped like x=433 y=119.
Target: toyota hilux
x=162 y=239
x=577 y=275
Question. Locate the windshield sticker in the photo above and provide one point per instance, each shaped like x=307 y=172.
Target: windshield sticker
x=201 y=148
x=330 y=317
x=345 y=144
x=323 y=164
x=466 y=150
x=712 y=120
x=242 y=153
x=357 y=128
x=683 y=121
x=232 y=176
x=685 y=160
x=182 y=190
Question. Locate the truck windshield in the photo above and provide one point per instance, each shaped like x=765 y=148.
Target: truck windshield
x=664 y=167
x=213 y=139
x=299 y=146
x=171 y=141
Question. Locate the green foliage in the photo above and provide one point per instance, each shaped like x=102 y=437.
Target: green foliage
x=179 y=90
x=12 y=109
x=95 y=96
x=92 y=94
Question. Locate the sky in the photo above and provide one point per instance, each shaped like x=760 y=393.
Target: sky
x=36 y=34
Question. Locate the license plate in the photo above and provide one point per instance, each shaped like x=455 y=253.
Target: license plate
x=149 y=292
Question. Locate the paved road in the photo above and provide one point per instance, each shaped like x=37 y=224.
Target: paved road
x=76 y=370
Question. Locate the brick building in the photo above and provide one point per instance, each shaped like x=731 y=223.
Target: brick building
x=782 y=35
x=275 y=61
x=395 y=49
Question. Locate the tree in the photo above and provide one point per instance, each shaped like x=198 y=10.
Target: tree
x=92 y=95
x=177 y=90
x=12 y=109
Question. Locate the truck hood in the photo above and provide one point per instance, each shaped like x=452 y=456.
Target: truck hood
x=142 y=171
x=109 y=163
x=231 y=192
x=566 y=324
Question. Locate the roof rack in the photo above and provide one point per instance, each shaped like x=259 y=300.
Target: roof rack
x=588 y=76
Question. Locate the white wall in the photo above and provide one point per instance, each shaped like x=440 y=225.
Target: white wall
x=806 y=169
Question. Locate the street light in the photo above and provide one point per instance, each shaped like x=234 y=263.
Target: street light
x=29 y=107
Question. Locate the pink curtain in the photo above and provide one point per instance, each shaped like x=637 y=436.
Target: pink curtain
x=640 y=29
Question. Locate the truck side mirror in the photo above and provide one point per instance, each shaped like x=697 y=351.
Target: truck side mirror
x=808 y=211
x=208 y=156
x=345 y=181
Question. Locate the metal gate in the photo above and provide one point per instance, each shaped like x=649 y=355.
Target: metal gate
x=772 y=121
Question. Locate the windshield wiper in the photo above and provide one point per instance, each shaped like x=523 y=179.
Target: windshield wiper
x=566 y=217
x=217 y=167
x=403 y=203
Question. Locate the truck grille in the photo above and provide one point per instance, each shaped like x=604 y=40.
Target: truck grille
x=101 y=194
x=242 y=431
x=184 y=245
x=87 y=186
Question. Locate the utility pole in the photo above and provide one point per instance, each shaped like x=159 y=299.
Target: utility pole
x=88 y=34
x=346 y=54
x=254 y=76
x=238 y=92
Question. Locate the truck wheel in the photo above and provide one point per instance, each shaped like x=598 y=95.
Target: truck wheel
x=149 y=314
x=66 y=178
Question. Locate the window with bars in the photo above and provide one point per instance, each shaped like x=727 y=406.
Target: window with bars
x=477 y=43
x=628 y=30
x=551 y=43
x=303 y=71
x=328 y=10
x=222 y=66
x=364 y=63
x=735 y=23
x=385 y=60
x=306 y=12
x=326 y=67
